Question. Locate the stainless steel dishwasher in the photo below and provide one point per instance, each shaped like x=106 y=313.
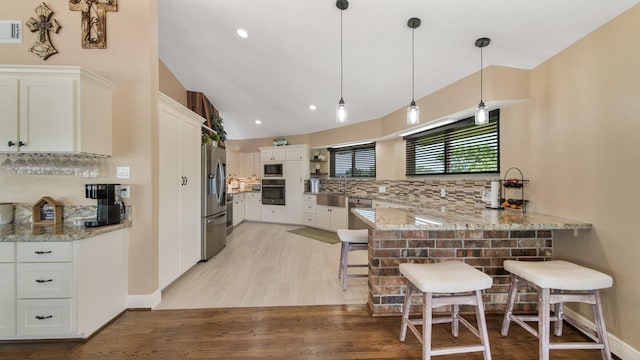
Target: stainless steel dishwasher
x=354 y=221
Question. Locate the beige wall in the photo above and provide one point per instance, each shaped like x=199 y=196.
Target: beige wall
x=170 y=85
x=131 y=61
x=578 y=142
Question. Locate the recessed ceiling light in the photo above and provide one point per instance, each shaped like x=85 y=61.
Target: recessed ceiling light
x=312 y=107
x=242 y=33
x=258 y=122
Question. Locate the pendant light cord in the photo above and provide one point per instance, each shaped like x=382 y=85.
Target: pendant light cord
x=481 y=77
x=413 y=66
x=341 y=71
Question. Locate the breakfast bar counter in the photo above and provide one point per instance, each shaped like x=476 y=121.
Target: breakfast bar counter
x=480 y=237
x=54 y=232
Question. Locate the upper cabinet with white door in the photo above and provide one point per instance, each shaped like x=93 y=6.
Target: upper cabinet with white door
x=272 y=153
x=57 y=109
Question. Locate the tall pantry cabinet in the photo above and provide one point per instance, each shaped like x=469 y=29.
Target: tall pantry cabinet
x=179 y=190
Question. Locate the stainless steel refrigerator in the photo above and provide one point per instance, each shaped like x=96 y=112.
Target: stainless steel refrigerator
x=214 y=197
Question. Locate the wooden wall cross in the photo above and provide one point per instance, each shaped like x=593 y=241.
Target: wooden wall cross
x=43 y=24
x=94 y=21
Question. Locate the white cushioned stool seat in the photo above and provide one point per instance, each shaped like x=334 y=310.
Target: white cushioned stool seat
x=557 y=282
x=559 y=274
x=446 y=277
x=449 y=283
x=354 y=236
x=352 y=240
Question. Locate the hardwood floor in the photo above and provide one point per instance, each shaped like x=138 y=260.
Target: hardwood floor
x=264 y=265
x=284 y=332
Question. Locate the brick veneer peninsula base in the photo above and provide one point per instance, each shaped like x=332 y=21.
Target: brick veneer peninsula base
x=485 y=250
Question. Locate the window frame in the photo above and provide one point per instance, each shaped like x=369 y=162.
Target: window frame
x=353 y=150
x=445 y=133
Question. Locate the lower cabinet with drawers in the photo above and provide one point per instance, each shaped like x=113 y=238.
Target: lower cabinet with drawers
x=63 y=289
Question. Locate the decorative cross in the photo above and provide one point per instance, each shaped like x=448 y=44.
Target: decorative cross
x=94 y=21
x=43 y=46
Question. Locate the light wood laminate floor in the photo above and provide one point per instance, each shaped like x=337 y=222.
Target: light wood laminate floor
x=264 y=265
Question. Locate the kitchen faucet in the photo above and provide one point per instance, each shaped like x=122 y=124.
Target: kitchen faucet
x=345 y=184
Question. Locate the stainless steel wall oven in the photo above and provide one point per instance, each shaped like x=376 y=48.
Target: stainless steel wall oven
x=273 y=192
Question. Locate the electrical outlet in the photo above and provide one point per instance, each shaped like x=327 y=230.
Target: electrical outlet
x=125 y=191
x=443 y=192
x=123 y=172
x=382 y=189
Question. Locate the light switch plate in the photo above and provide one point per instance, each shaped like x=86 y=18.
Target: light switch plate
x=123 y=172
x=382 y=189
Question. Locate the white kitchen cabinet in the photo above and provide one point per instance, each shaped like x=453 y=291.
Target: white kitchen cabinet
x=297 y=152
x=274 y=214
x=232 y=164
x=309 y=210
x=250 y=167
x=179 y=190
x=253 y=206
x=272 y=153
x=331 y=218
x=64 y=289
x=238 y=209
x=294 y=174
x=7 y=290
x=54 y=109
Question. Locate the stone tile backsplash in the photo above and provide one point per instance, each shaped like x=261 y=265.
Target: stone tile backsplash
x=458 y=192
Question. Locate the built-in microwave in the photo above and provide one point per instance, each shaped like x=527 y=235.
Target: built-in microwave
x=273 y=170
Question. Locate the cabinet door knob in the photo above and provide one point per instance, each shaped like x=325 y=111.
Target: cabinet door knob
x=10 y=143
x=20 y=143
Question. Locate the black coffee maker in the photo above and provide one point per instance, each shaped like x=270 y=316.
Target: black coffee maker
x=108 y=203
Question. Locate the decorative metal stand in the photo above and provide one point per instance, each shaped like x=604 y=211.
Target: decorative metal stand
x=514 y=183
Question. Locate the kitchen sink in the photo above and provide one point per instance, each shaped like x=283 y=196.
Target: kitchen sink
x=331 y=199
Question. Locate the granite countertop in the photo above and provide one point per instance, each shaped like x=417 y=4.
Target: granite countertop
x=58 y=232
x=462 y=218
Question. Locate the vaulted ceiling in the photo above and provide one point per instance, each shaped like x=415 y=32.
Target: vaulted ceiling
x=291 y=58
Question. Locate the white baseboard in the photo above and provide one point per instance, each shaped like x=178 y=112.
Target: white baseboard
x=144 y=301
x=621 y=349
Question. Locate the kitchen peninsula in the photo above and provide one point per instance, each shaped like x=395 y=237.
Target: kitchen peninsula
x=480 y=237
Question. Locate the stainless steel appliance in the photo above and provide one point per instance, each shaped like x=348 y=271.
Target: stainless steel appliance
x=273 y=170
x=229 y=213
x=314 y=184
x=273 y=192
x=354 y=221
x=214 y=201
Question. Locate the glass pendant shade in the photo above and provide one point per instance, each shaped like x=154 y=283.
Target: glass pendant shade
x=341 y=112
x=413 y=113
x=482 y=115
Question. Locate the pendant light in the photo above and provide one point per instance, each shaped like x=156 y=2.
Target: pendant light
x=482 y=114
x=341 y=109
x=413 y=111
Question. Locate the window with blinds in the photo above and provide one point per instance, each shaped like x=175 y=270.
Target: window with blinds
x=458 y=148
x=353 y=161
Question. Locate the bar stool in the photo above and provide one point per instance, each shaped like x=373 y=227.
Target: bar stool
x=556 y=282
x=449 y=281
x=352 y=240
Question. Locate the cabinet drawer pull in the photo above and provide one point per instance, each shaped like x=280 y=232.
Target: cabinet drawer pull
x=39 y=252
x=43 y=281
x=40 y=317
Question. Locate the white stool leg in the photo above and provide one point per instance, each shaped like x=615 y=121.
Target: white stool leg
x=345 y=264
x=455 y=323
x=513 y=291
x=427 y=325
x=482 y=325
x=559 y=313
x=341 y=260
x=601 y=328
x=408 y=291
x=543 y=323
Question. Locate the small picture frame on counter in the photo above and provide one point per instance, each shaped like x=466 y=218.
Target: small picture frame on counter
x=47 y=211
